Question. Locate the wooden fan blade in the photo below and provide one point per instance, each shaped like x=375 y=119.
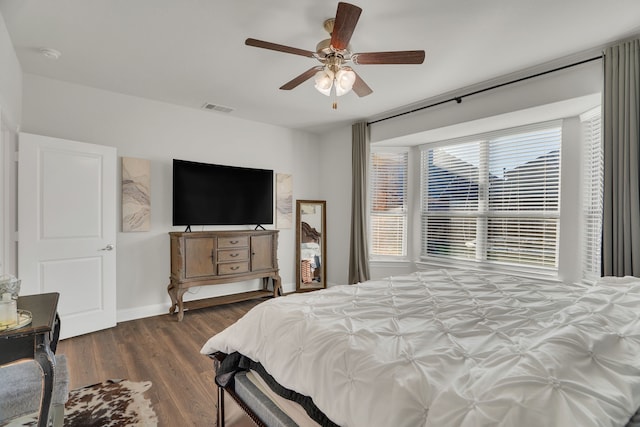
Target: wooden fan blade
x=278 y=47
x=347 y=17
x=360 y=87
x=398 y=57
x=301 y=78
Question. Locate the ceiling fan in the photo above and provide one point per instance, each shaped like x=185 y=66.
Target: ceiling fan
x=334 y=53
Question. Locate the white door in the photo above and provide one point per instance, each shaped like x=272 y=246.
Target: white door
x=67 y=228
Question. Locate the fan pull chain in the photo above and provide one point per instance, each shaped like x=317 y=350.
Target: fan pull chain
x=335 y=95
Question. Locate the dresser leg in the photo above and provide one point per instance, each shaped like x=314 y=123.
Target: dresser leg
x=179 y=295
x=277 y=286
x=171 y=289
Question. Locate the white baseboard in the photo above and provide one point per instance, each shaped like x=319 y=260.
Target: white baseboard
x=142 y=312
x=288 y=288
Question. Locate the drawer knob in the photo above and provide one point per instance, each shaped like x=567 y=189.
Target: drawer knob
x=235 y=267
x=233 y=242
x=234 y=255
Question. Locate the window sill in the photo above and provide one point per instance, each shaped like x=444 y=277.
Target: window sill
x=535 y=273
x=379 y=262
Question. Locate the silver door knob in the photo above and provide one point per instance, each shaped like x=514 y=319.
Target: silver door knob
x=109 y=247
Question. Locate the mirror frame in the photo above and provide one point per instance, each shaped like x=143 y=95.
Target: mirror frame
x=322 y=204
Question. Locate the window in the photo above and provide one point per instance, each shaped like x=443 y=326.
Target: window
x=388 y=209
x=592 y=196
x=493 y=198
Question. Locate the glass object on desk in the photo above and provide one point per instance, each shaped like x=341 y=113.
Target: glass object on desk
x=8 y=311
x=24 y=318
x=11 y=284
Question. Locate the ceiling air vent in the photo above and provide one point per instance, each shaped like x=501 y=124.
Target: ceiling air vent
x=218 y=108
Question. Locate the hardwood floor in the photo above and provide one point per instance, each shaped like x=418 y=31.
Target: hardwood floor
x=161 y=350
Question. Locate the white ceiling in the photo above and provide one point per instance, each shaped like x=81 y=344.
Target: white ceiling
x=189 y=52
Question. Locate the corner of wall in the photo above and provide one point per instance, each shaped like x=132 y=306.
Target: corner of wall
x=10 y=79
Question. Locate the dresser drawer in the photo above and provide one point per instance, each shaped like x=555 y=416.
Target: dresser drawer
x=233 y=268
x=233 y=242
x=227 y=255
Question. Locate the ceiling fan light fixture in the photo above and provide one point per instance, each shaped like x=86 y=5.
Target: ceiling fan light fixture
x=324 y=81
x=335 y=53
x=345 y=78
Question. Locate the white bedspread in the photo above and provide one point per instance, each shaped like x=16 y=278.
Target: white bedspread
x=453 y=348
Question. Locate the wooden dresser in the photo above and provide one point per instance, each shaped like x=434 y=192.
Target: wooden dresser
x=215 y=257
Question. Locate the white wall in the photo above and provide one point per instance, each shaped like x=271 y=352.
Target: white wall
x=8 y=198
x=10 y=116
x=10 y=78
x=335 y=161
x=160 y=132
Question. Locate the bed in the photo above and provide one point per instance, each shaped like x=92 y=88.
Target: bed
x=441 y=348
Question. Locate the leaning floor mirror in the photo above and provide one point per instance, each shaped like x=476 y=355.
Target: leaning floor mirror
x=311 y=245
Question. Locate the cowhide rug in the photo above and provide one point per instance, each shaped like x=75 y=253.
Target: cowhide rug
x=113 y=403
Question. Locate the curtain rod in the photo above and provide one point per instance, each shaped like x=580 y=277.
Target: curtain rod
x=458 y=99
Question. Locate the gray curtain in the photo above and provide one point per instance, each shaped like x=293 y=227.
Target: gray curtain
x=621 y=121
x=359 y=251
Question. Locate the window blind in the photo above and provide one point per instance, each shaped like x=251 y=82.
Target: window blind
x=592 y=194
x=495 y=199
x=388 y=211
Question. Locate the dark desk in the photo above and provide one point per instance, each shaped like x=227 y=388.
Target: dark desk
x=36 y=341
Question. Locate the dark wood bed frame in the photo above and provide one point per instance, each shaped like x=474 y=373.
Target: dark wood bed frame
x=220 y=421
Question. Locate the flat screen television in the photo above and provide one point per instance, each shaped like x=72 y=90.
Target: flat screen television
x=210 y=194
